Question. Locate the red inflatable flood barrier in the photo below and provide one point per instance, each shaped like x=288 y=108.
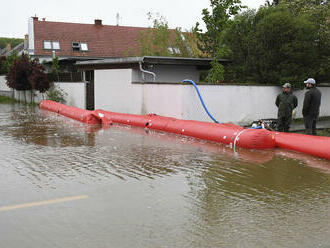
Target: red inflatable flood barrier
x=224 y=133
x=78 y=114
x=230 y=134
x=315 y=145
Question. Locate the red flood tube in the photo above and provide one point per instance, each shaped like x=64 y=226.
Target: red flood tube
x=78 y=114
x=230 y=134
x=318 y=146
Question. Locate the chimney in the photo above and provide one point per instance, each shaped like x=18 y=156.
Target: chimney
x=98 y=22
x=26 y=41
x=8 y=47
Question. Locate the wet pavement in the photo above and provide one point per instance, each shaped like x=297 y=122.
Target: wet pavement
x=66 y=184
x=321 y=124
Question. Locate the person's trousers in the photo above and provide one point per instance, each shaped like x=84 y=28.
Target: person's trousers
x=310 y=124
x=283 y=123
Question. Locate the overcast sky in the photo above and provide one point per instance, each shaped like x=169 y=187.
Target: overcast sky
x=179 y=13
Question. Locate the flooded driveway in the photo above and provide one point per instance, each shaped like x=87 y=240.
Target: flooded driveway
x=66 y=184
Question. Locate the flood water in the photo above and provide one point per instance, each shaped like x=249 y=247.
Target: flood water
x=138 y=189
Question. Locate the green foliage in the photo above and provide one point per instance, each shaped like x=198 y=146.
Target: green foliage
x=284 y=41
x=55 y=65
x=7 y=62
x=12 y=41
x=216 y=20
x=155 y=41
x=278 y=45
x=211 y=42
x=2 y=65
x=56 y=94
x=324 y=132
x=300 y=6
x=161 y=41
x=216 y=74
x=5 y=99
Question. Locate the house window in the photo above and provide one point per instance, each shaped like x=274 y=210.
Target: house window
x=56 y=45
x=79 y=46
x=84 y=46
x=51 y=45
x=174 y=50
x=177 y=50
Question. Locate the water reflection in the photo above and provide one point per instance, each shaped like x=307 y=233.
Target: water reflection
x=47 y=129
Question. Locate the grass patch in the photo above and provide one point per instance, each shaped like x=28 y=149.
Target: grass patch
x=324 y=132
x=5 y=99
x=320 y=132
x=301 y=120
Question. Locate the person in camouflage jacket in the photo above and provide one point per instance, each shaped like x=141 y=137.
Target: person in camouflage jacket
x=286 y=103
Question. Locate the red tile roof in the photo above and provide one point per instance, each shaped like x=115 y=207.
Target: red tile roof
x=103 y=40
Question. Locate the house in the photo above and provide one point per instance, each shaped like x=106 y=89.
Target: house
x=8 y=50
x=76 y=41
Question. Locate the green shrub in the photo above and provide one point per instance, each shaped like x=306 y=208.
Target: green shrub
x=56 y=94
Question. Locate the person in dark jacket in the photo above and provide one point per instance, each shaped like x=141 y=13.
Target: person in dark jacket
x=311 y=107
x=286 y=103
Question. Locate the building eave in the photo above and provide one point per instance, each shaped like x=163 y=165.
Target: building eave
x=133 y=62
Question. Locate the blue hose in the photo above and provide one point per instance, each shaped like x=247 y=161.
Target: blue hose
x=200 y=97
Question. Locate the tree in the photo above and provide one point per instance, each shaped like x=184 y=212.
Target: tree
x=299 y=6
x=7 y=62
x=216 y=20
x=285 y=46
x=216 y=74
x=12 y=41
x=18 y=75
x=211 y=41
x=239 y=39
x=277 y=45
x=25 y=74
x=162 y=41
x=2 y=65
x=38 y=78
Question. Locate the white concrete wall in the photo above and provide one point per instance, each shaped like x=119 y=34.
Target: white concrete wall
x=243 y=104
x=76 y=93
x=114 y=91
x=167 y=73
x=166 y=99
x=239 y=104
x=3 y=85
x=26 y=96
x=227 y=103
x=4 y=89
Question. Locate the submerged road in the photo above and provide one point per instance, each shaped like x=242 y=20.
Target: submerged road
x=66 y=184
